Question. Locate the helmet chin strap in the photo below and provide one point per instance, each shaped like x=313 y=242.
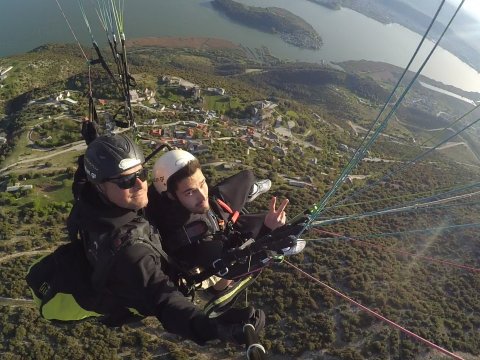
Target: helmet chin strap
x=102 y=194
x=99 y=188
x=171 y=196
x=104 y=198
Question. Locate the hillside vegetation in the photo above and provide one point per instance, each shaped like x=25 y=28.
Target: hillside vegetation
x=321 y=115
x=291 y=28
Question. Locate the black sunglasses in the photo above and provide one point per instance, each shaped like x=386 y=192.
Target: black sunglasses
x=128 y=181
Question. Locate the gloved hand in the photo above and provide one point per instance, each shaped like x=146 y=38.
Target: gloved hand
x=230 y=323
x=89 y=131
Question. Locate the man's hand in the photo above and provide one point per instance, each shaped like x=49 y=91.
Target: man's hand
x=276 y=218
x=230 y=324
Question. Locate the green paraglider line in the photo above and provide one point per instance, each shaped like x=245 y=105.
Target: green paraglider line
x=416 y=159
x=361 y=151
x=73 y=32
x=114 y=15
x=417 y=204
x=404 y=232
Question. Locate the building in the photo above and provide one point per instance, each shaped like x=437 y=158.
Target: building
x=149 y=93
x=296 y=183
x=217 y=91
x=197 y=148
x=190 y=123
x=70 y=101
x=134 y=97
x=156 y=132
x=271 y=135
x=18 y=187
x=181 y=134
x=264 y=104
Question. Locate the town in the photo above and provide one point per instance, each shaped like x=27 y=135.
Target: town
x=184 y=123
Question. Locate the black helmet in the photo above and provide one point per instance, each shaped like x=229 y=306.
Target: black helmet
x=108 y=156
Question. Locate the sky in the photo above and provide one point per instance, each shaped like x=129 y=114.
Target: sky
x=470 y=6
x=468 y=28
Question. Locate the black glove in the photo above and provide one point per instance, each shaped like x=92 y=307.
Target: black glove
x=89 y=131
x=230 y=323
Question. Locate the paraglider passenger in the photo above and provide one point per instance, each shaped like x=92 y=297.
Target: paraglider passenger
x=188 y=215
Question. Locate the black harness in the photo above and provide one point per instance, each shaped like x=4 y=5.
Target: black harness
x=238 y=249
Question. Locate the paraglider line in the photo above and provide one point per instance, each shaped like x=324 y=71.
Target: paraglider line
x=402 y=252
x=73 y=33
x=362 y=149
x=377 y=315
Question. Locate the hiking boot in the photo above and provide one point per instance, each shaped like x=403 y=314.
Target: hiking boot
x=295 y=249
x=259 y=187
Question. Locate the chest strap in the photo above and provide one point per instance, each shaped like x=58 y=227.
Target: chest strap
x=233 y=214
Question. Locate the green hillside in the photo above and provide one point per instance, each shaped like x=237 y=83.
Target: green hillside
x=315 y=115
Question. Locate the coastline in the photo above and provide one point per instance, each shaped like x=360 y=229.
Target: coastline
x=183 y=42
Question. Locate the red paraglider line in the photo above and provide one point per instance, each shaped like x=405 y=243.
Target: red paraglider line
x=378 y=316
x=406 y=253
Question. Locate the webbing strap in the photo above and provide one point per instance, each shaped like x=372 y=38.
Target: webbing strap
x=233 y=214
x=100 y=60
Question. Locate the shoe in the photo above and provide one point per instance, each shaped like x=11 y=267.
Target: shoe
x=258 y=188
x=295 y=249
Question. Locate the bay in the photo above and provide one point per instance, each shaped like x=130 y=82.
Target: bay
x=347 y=35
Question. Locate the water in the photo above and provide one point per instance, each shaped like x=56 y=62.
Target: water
x=449 y=93
x=347 y=35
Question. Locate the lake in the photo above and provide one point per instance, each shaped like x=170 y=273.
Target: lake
x=347 y=34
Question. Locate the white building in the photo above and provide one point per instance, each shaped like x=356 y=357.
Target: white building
x=18 y=187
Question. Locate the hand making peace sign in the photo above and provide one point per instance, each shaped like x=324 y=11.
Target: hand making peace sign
x=276 y=218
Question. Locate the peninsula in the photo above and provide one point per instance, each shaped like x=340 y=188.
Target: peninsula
x=291 y=28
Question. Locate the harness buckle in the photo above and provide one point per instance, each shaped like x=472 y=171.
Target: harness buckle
x=246 y=244
x=221 y=224
x=220 y=272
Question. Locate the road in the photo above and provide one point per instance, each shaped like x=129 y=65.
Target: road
x=24 y=253
x=394 y=139
x=76 y=146
x=16 y=302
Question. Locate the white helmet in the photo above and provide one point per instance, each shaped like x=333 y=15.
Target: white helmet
x=167 y=165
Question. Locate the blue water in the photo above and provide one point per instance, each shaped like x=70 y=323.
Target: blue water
x=347 y=35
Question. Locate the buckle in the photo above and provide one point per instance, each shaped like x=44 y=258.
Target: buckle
x=220 y=272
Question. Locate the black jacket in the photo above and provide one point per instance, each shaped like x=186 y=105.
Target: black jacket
x=183 y=237
x=123 y=251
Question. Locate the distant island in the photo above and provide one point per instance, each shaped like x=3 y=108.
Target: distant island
x=291 y=28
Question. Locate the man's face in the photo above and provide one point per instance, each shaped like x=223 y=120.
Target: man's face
x=133 y=198
x=192 y=193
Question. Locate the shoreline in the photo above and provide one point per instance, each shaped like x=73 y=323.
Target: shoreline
x=191 y=42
